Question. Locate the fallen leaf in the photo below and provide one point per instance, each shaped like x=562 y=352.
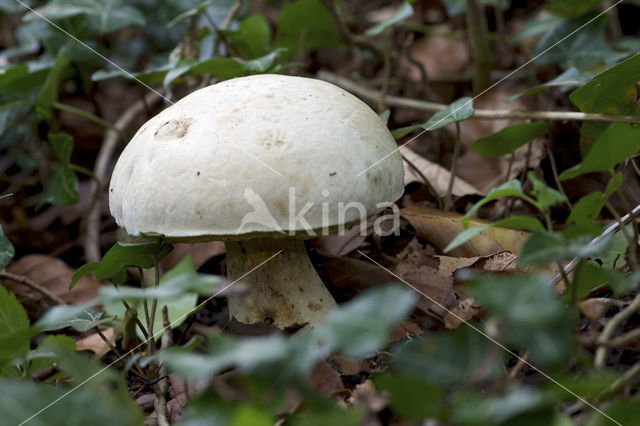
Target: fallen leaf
x=343 y=244
x=437 y=175
x=94 y=343
x=326 y=379
x=440 y=56
x=54 y=275
x=440 y=228
x=200 y=252
x=465 y=311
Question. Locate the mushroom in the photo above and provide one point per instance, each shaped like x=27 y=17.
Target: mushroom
x=261 y=163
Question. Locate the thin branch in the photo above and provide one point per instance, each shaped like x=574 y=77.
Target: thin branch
x=611 y=326
x=55 y=300
x=103 y=160
x=396 y=101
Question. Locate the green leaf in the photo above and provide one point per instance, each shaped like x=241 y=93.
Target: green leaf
x=62 y=189
x=585 y=48
x=508 y=139
x=544 y=195
x=246 y=354
x=533 y=318
x=529 y=223
x=535 y=27
x=190 y=13
x=121 y=255
x=7 y=251
x=543 y=247
x=450 y=357
x=471 y=407
x=42 y=357
x=14 y=326
x=587 y=209
x=266 y=63
x=617 y=143
x=513 y=188
x=364 y=324
x=613 y=185
x=411 y=398
x=11 y=74
x=62 y=145
x=252 y=37
x=571 y=78
x=573 y=7
x=81 y=317
x=623 y=410
x=459 y=110
x=587 y=277
x=101 y=15
x=89 y=268
x=403 y=131
x=306 y=23
x=403 y=12
x=49 y=93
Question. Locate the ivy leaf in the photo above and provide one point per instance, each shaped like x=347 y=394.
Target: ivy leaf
x=508 y=139
x=571 y=78
x=617 y=143
x=513 y=188
x=544 y=195
x=252 y=37
x=403 y=12
x=308 y=23
x=14 y=326
x=459 y=110
x=62 y=189
x=81 y=317
x=121 y=255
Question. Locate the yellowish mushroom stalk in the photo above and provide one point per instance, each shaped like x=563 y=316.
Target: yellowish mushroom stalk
x=285 y=290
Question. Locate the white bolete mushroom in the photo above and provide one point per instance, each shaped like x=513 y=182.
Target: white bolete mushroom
x=262 y=163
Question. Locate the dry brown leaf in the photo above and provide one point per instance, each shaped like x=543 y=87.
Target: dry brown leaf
x=596 y=307
x=344 y=244
x=437 y=175
x=326 y=379
x=440 y=56
x=54 y=275
x=440 y=228
x=94 y=343
x=465 y=311
x=350 y=276
x=407 y=329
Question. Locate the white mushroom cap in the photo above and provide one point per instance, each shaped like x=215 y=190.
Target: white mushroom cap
x=189 y=172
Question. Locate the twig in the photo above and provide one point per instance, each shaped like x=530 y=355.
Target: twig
x=454 y=161
x=483 y=114
x=92 y=235
x=46 y=373
x=516 y=368
x=133 y=314
x=477 y=29
x=554 y=170
x=162 y=387
x=611 y=326
x=55 y=300
x=626 y=378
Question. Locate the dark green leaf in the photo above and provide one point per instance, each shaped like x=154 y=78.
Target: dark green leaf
x=306 y=23
x=587 y=277
x=14 y=326
x=545 y=196
x=533 y=318
x=544 y=247
x=508 y=139
x=11 y=74
x=571 y=78
x=264 y=63
x=459 y=110
x=411 y=398
x=121 y=255
x=513 y=188
x=587 y=209
x=246 y=354
x=613 y=185
x=252 y=37
x=81 y=317
x=624 y=411
x=450 y=357
x=403 y=12
x=102 y=15
x=7 y=251
x=89 y=268
x=617 y=143
x=43 y=357
x=49 y=93
x=611 y=92
x=472 y=408
x=62 y=145
x=190 y=13
x=364 y=324
x=62 y=189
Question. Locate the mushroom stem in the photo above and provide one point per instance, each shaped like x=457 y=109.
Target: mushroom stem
x=285 y=289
